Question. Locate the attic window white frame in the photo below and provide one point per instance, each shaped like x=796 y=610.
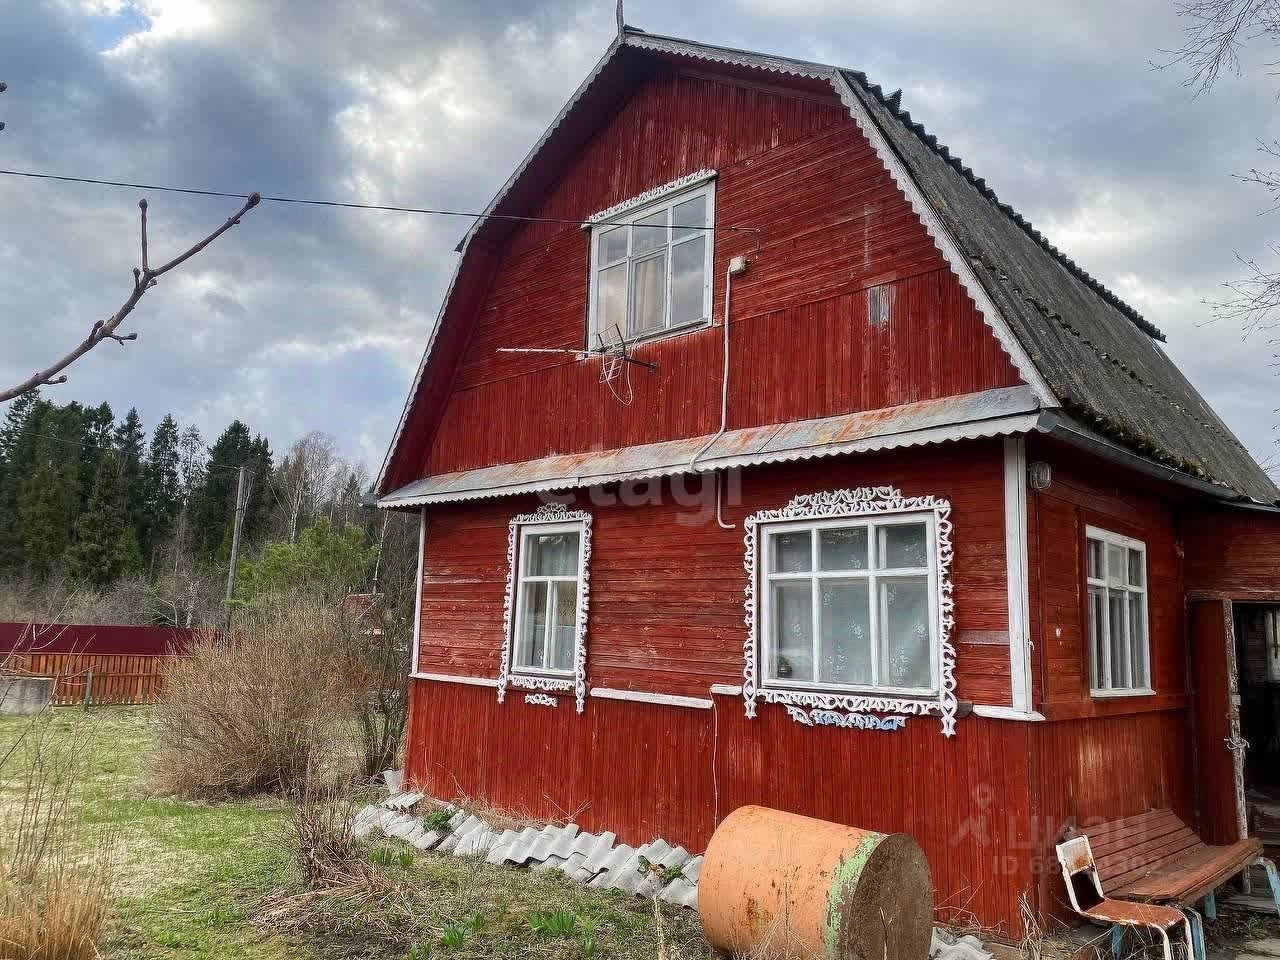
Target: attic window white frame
x=626 y=214
x=549 y=518
x=1105 y=586
x=879 y=505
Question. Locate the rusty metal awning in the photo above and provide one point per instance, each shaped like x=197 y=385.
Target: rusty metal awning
x=991 y=413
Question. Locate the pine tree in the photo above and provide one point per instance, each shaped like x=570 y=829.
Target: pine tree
x=161 y=486
x=215 y=501
x=99 y=432
x=49 y=496
x=129 y=440
x=100 y=552
x=17 y=456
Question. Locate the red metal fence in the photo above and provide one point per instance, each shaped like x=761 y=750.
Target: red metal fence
x=93 y=665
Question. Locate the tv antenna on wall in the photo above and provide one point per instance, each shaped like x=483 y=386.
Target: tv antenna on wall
x=616 y=360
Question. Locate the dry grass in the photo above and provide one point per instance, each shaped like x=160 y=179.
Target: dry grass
x=253 y=712
x=55 y=882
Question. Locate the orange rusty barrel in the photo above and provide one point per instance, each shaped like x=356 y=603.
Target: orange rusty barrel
x=780 y=885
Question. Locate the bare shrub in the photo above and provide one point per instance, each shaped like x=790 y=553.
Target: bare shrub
x=54 y=881
x=319 y=834
x=254 y=710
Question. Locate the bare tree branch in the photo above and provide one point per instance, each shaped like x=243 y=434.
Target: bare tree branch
x=143 y=280
x=1214 y=34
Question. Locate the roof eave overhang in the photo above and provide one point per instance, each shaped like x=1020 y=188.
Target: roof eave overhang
x=994 y=413
x=1070 y=431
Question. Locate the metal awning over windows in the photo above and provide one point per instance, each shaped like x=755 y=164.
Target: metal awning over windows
x=990 y=413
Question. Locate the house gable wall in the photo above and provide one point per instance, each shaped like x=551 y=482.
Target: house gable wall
x=833 y=224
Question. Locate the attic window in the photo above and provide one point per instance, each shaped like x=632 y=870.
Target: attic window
x=651 y=263
x=879 y=304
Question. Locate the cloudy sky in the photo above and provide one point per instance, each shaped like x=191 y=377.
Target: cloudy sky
x=311 y=318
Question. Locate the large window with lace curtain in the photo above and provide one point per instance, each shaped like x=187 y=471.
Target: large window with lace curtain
x=851 y=605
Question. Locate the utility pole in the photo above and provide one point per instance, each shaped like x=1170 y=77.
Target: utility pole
x=242 y=494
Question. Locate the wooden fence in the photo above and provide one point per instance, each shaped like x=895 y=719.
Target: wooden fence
x=94 y=679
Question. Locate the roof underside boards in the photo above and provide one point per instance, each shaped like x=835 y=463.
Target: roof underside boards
x=1103 y=367
x=999 y=412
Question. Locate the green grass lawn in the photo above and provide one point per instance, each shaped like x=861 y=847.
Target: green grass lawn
x=196 y=881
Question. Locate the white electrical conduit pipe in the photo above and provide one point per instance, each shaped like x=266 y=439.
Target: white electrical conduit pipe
x=736 y=265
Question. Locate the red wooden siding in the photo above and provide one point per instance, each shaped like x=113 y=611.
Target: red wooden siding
x=1085 y=494
x=645 y=770
x=1101 y=768
x=1233 y=552
x=833 y=224
x=666 y=610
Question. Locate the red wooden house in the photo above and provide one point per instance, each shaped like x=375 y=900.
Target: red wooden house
x=901 y=520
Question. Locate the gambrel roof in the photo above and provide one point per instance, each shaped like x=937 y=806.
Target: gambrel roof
x=1082 y=349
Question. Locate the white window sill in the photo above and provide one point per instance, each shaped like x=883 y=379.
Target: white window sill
x=889 y=693
x=1117 y=694
x=595 y=353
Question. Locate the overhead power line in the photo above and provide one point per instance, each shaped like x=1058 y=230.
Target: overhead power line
x=346 y=204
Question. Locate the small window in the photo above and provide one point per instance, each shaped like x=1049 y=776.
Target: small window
x=548 y=591
x=1119 y=646
x=851 y=605
x=651 y=267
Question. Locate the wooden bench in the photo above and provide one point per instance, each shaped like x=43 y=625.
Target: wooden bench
x=1156 y=858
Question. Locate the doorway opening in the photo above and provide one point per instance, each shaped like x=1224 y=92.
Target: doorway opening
x=1257 y=630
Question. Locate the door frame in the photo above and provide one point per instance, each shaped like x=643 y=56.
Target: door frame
x=1233 y=739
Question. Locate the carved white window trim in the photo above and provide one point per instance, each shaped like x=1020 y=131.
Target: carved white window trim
x=509 y=676
x=844 y=504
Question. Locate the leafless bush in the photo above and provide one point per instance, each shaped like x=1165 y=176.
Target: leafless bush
x=258 y=709
x=319 y=834
x=54 y=881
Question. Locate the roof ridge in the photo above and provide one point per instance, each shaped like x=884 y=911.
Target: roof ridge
x=893 y=103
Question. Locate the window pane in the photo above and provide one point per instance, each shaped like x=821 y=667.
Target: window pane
x=552 y=555
x=649 y=233
x=648 y=294
x=613 y=245
x=904 y=624
x=1097 y=640
x=1138 y=640
x=691 y=213
x=846 y=632
x=1095 y=559
x=534 y=626
x=688 y=281
x=1116 y=564
x=792 y=631
x=564 y=607
x=844 y=549
x=1116 y=620
x=792 y=552
x=903 y=545
x=611 y=300
x=1135 y=568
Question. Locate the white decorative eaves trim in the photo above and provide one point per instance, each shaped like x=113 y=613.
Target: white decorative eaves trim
x=540 y=699
x=507 y=676
x=675 y=186
x=840 y=504
x=936 y=229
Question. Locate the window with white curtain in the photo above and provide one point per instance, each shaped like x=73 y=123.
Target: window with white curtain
x=851 y=605
x=651 y=267
x=1120 y=654
x=548 y=592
